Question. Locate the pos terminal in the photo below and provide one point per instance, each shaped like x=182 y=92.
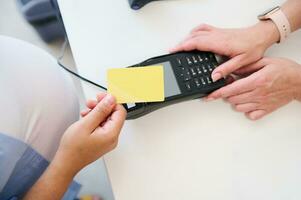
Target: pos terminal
x=187 y=75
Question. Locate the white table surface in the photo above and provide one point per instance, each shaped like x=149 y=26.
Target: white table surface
x=193 y=150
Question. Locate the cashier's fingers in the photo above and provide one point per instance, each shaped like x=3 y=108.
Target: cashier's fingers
x=201 y=31
x=229 y=79
x=243 y=98
x=202 y=35
x=251 y=68
x=196 y=35
x=237 y=87
x=229 y=66
x=203 y=27
x=256 y=114
x=203 y=43
x=246 y=107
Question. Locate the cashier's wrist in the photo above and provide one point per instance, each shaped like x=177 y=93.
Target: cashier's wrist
x=267 y=33
x=297 y=95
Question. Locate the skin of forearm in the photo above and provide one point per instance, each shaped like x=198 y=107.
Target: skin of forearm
x=53 y=184
x=292 y=10
x=297 y=95
x=268 y=31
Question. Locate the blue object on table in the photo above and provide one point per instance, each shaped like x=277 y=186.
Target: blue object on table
x=44 y=16
x=137 y=4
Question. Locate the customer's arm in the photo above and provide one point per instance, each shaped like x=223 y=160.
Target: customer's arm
x=244 y=45
x=83 y=142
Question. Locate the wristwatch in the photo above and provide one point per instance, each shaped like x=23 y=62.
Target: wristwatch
x=278 y=17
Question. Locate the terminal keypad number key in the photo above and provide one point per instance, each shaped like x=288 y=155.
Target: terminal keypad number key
x=195 y=70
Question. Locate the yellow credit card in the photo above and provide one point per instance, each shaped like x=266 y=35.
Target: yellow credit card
x=136 y=84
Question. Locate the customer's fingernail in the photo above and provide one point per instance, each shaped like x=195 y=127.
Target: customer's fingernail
x=109 y=99
x=216 y=76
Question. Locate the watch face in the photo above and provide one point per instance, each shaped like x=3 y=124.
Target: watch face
x=265 y=14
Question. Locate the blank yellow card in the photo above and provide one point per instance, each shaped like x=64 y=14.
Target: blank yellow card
x=136 y=84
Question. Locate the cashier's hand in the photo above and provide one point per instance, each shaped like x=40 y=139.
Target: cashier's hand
x=274 y=82
x=94 y=135
x=243 y=46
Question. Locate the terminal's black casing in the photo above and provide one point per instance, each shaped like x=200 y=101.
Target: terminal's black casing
x=141 y=109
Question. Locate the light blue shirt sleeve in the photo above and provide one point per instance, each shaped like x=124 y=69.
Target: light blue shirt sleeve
x=20 y=167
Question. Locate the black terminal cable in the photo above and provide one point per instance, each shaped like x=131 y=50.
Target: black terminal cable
x=59 y=61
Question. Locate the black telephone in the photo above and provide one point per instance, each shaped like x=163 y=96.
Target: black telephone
x=187 y=75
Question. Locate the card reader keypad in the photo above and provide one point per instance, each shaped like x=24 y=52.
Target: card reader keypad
x=195 y=70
